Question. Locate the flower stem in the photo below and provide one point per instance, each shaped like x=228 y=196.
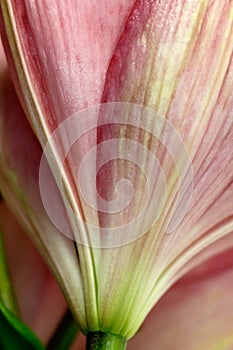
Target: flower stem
x=7 y=297
x=105 y=341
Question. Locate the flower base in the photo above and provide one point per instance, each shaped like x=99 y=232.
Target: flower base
x=105 y=341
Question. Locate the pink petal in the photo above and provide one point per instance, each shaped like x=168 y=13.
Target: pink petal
x=20 y=155
x=40 y=302
x=195 y=314
x=176 y=57
x=66 y=48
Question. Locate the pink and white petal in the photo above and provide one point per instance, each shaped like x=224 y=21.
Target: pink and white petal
x=166 y=60
x=196 y=313
x=197 y=101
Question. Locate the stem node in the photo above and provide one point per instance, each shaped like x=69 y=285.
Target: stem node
x=105 y=341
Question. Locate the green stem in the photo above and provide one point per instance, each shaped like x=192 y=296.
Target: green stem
x=64 y=334
x=105 y=341
x=7 y=297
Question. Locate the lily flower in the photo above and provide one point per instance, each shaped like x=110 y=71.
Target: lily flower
x=175 y=58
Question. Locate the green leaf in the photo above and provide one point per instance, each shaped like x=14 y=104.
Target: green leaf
x=14 y=334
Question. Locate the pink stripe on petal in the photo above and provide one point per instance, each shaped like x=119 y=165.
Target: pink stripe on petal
x=67 y=46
